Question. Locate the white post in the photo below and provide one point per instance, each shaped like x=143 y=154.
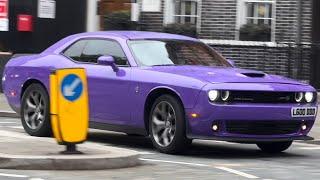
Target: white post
x=93 y=23
x=135 y=12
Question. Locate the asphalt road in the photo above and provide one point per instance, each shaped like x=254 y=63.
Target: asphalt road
x=203 y=160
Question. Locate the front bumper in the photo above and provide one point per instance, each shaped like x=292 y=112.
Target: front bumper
x=219 y=114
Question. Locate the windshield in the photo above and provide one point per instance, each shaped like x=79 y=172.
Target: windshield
x=175 y=52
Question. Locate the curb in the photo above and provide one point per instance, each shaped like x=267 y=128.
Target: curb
x=68 y=162
x=11 y=114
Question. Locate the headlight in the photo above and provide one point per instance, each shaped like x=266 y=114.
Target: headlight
x=213 y=95
x=298 y=96
x=225 y=95
x=309 y=96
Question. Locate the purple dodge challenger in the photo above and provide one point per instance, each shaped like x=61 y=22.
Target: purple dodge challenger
x=170 y=87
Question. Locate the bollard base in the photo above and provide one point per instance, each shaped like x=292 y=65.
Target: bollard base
x=71 y=149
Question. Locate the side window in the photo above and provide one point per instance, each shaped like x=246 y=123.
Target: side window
x=96 y=48
x=75 y=50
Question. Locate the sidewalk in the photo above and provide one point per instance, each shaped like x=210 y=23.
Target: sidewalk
x=21 y=151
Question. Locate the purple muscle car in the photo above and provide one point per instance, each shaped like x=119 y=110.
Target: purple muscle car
x=169 y=87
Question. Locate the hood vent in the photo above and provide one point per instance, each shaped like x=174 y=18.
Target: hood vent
x=254 y=75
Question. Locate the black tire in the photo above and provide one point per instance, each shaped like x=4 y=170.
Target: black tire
x=44 y=128
x=274 y=147
x=179 y=141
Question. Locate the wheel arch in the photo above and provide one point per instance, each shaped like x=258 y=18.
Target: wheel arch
x=152 y=96
x=27 y=83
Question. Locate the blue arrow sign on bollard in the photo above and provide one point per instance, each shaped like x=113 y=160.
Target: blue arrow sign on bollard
x=71 y=87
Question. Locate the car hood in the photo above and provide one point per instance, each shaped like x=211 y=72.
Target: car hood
x=224 y=74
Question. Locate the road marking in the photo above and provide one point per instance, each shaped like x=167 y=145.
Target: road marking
x=174 y=162
x=237 y=172
x=16 y=135
x=306 y=144
x=145 y=153
x=310 y=148
x=7 y=122
x=15 y=127
x=13 y=175
x=204 y=165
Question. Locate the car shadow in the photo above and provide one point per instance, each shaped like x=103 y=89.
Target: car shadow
x=198 y=149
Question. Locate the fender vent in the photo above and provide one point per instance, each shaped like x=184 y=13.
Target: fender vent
x=254 y=75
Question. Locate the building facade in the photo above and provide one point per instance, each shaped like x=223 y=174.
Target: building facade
x=275 y=36
x=33 y=25
x=269 y=35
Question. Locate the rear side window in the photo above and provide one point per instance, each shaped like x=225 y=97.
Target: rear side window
x=96 y=48
x=89 y=50
x=75 y=51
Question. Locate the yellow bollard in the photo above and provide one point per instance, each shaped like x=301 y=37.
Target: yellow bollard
x=69 y=107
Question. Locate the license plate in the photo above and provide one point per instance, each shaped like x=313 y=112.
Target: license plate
x=304 y=112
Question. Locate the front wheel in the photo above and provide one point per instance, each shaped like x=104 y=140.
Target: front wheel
x=35 y=115
x=274 y=147
x=167 y=125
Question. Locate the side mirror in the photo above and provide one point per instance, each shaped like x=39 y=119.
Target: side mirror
x=232 y=63
x=108 y=61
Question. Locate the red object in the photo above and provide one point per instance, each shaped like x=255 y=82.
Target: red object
x=3 y=8
x=25 y=23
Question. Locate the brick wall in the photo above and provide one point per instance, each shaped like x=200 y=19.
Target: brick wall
x=287 y=12
x=218 y=22
x=151 y=21
x=286 y=20
x=218 y=19
x=306 y=21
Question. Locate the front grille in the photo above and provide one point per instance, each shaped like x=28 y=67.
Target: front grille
x=262 y=97
x=263 y=127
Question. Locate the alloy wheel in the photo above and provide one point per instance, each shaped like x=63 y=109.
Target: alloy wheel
x=34 y=110
x=163 y=123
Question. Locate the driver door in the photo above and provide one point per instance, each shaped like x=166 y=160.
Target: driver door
x=108 y=90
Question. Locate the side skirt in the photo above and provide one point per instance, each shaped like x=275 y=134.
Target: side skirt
x=118 y=128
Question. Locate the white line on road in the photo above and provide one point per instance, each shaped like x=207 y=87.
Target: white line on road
x=237 y=172
x=174 y=162
x=306 y=144
x=13 y=175
x=145 y=153
x=310 y=148
x=15 y=127
x=204 y=165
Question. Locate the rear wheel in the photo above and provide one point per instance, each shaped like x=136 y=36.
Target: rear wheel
x=274 y=147
x=167 y=125
x=35 y=116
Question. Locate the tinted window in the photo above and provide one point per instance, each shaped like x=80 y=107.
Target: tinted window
x=75 y=50
x=96 y=48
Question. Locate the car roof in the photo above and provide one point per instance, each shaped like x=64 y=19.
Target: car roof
x=137 y=35
x=126 y=35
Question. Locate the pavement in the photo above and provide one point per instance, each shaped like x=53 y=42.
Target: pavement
x=20 y=151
